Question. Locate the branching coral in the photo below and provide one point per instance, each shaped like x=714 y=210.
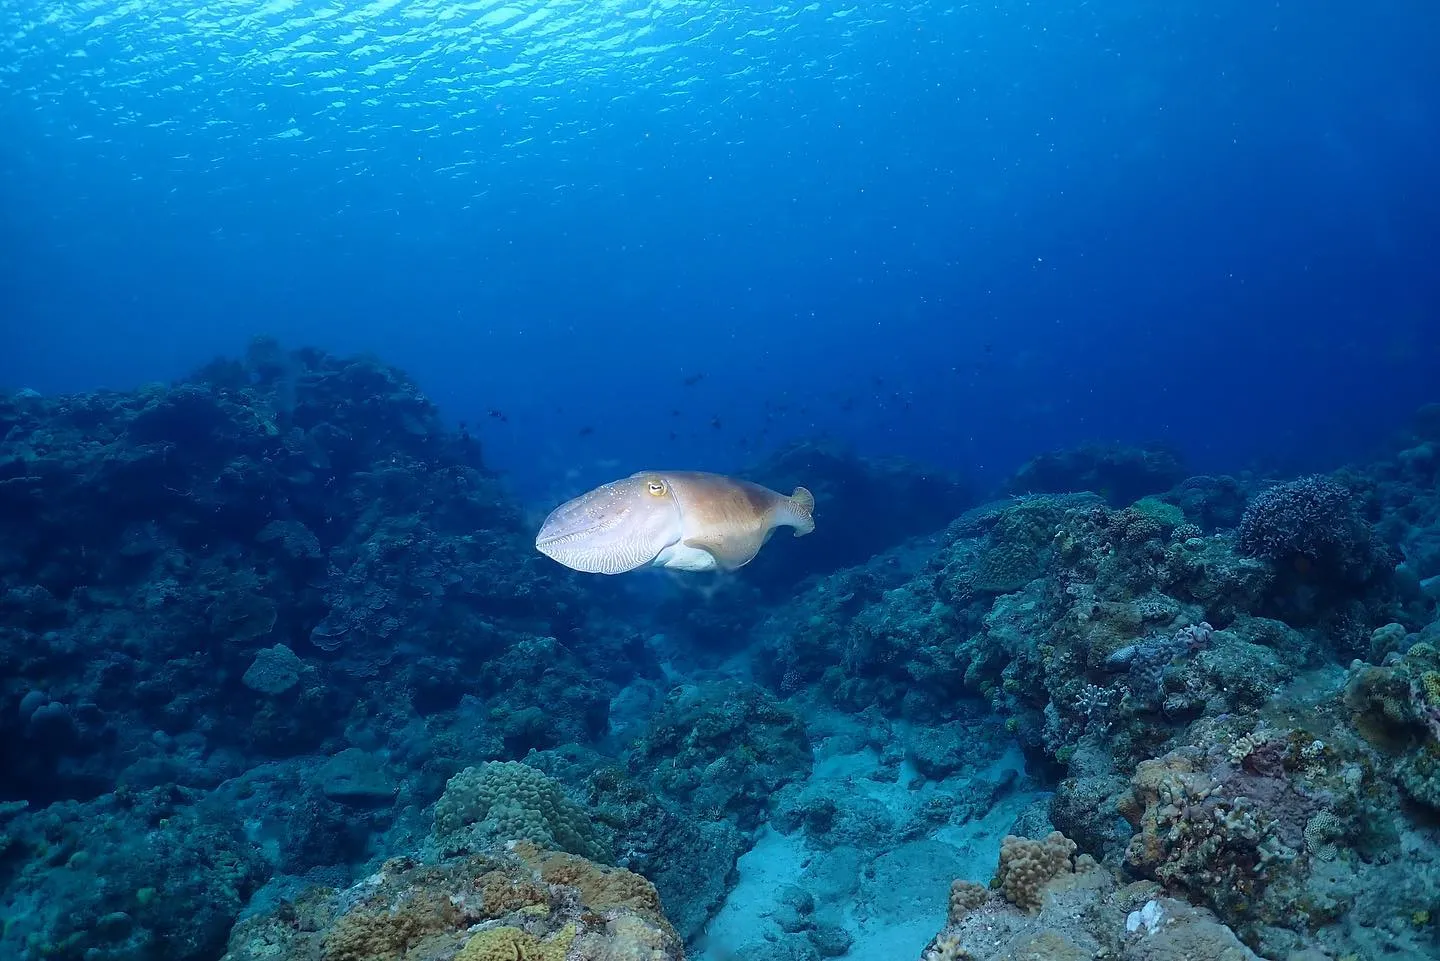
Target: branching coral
x=1312 y=524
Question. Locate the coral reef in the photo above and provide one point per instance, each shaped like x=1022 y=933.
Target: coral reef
x=267 y=627
x=1180 y=680
x=1119 y=474
x=724 y=748
x=688 y=855
x=1396 y=707
x=1088 y=915
x=165 y=544
x=1054 y=907
x=503 y=801
x=282 y=582
x=139 y=873
x=523 y=902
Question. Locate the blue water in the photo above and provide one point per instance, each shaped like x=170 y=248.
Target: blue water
x=961 y=232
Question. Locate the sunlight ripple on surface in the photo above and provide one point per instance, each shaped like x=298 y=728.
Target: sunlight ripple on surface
x=492 y=81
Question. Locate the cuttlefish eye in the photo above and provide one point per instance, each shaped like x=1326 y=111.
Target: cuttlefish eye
x=656 y=488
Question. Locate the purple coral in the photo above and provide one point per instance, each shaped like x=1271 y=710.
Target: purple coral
x=1311 y=522
x=1144 y=662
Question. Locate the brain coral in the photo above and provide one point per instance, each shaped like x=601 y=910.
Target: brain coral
x=510 y=943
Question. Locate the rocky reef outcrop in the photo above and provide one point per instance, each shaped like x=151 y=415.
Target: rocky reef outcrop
x=275 y=649
x=522 y=902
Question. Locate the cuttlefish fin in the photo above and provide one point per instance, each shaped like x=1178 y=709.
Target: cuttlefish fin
x=798 y=511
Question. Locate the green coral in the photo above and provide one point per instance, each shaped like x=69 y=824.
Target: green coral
x=1418 y=775
x=1018 y=547
x=725 y=748
x=503 y=801
x=1165 y=514
x=1396 y=707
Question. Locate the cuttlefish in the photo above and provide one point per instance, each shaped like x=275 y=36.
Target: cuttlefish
x=681 y=520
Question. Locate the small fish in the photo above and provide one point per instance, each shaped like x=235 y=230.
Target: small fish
x=681 y=520
x=694 y=379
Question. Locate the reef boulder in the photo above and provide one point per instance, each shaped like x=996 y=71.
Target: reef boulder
x=521 y=902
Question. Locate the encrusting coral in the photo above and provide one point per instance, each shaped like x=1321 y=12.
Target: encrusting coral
x=518 y=904
x=508 y=943
x=509 y=801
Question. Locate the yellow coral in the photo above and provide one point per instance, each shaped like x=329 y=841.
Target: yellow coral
x=601 y=888
x=513 y=944
x=386 y=934
x=1027 y=865
x=1243 y=747
x=946 y=947
x=965 y=896
x=500 y=894
x=628 y=938
x=1430 y=684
